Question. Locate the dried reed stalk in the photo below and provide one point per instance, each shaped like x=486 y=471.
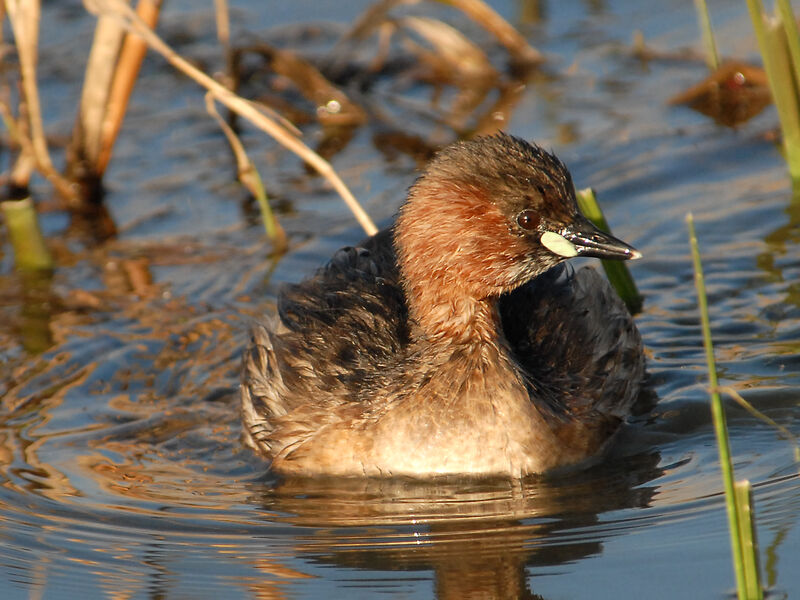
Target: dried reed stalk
x=25 y=163
x=127 y=70
x=222 y=17
x=234 y=102
x=100 y=66
x=506 y=34
x=24 y=16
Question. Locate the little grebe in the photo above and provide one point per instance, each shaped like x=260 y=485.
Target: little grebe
x=448 y=344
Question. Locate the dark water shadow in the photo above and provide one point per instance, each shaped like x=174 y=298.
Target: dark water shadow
x=476 y=536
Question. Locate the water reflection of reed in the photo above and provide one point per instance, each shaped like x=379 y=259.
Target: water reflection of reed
x=477 y=537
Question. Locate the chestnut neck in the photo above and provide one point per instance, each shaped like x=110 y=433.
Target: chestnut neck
x=453 y=267
x=447 y=318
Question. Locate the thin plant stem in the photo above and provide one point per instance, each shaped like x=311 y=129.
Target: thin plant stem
x=744 y=507
x=24 y=165
x=718 y=415
x=24 y=16
x=788 y=435
x=235 y=103
x=251 y=179
x=223 y=19
x=223 y=25
x=712 y=58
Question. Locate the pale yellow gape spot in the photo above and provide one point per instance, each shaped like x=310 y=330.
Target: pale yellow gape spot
x=558 y=244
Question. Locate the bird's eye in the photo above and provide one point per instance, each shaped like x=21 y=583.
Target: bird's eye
x=528 y=220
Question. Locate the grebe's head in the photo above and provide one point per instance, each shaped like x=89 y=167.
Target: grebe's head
x=489 y=215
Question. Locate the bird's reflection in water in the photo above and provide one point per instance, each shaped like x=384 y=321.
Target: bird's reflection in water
x=477 y=536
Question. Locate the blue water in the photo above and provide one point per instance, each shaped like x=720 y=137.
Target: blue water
x=122 y=473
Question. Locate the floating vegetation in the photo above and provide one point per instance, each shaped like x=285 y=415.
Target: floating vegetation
x=731 y=95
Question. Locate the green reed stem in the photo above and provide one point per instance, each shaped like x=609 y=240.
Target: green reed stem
x=616 y=271
x=777 y=55
x=712 y=59
x=786 y=15
x=251 y=179
x=271 y=225
x=720 y=427
x=747 y=531
x=30 y=251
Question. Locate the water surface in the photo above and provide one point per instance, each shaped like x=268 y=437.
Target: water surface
x=122 y=473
